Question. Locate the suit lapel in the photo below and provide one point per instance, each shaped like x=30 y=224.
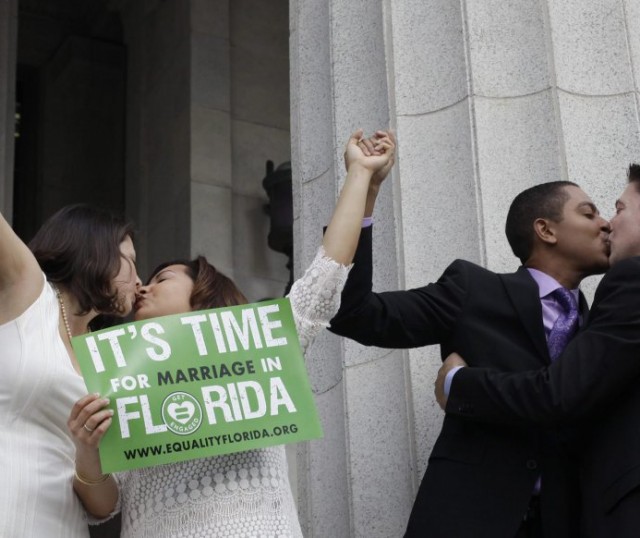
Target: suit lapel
x=524 y=295
x=583 y=306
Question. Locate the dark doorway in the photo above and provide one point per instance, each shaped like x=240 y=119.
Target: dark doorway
x=70 y=96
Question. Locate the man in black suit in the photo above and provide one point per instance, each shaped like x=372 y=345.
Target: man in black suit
x=482 y=478
x=593 y=384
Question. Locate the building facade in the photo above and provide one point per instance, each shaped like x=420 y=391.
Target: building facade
x=486 y=98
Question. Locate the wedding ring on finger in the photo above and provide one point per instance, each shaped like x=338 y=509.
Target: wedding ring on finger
x=90 y=430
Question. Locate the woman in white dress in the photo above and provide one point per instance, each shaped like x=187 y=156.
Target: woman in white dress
x=81 y=263
x=246 y=494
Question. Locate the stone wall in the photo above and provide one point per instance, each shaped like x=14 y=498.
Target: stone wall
x=207 y=106
x=487 y=98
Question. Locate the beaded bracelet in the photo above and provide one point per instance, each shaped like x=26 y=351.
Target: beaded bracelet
x=90 y=481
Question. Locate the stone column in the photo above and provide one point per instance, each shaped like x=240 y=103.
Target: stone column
x=487 y=98
x=8 y=52
x=357 y=481
x=239 y=119
x=158 y=39
x=259 y=87
x=203 y=117
x=210 y=103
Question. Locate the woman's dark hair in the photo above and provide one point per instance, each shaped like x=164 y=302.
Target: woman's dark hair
x=79 y=247
x=211 y=289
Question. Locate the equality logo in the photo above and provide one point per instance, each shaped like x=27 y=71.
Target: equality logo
x=181 y=413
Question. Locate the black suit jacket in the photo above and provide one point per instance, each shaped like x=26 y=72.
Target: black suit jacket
x=595 y=384
x=480 y=475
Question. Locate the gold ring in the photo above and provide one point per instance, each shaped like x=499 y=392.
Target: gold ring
x=87 y=428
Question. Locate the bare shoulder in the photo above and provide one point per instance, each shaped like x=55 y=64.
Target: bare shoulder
x=21 y=279
x=15 y=300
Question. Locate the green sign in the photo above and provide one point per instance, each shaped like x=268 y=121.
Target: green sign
x=200 y=384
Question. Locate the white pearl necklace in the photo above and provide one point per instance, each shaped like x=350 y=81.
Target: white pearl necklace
x=64 y=312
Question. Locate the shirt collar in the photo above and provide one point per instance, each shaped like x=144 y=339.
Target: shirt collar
x=547 y=284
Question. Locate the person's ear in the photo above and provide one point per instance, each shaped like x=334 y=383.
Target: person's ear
x=545 y=231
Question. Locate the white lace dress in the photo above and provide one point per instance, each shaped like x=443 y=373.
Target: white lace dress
x=246 y=494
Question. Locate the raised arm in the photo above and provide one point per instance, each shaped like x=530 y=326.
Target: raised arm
x=21 y=279
x=358 y=193
x=599 y=364
x=315 y=297
x=396 y=319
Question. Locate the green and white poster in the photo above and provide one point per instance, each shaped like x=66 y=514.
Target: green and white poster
x=200 y=384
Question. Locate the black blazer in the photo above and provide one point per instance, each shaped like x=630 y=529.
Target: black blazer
x=594 y=384
x=480 y=475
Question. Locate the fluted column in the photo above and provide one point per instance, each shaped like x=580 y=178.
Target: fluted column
x=487 y=98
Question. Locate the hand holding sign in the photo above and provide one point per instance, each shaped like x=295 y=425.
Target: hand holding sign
x=197 y=384
x=89 y=420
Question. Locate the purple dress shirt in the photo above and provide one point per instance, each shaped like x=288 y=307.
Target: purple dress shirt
x=551 y=310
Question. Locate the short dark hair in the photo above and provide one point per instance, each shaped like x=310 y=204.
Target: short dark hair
x=211 y=288
x=544 y=201
x=79 y=246
x=633 y=175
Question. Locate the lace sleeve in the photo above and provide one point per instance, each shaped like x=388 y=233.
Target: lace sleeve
x=315 y=297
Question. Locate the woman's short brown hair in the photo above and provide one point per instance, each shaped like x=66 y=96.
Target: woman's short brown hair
x=79 y=246
x=211 y=288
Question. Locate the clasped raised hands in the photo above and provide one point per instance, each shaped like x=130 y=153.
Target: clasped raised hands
x=376 y=153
